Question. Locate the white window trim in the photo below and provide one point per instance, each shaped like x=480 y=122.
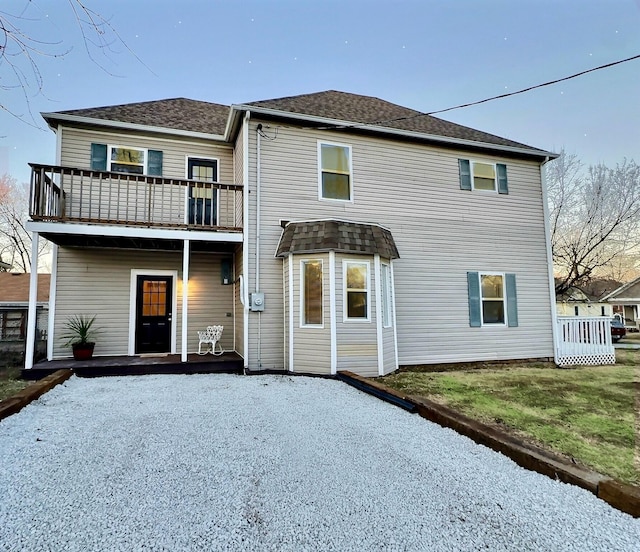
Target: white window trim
x=135 y=272
x=336 y=144
x=504 y=299
x=345 y=309
x=472 y=162
x=302 y=322
x=386 y=297
x=145 y=166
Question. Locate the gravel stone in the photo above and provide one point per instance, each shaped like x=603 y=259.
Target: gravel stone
x=222 y=462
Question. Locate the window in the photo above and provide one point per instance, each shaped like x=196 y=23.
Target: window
x=477 y=175
x=386 y=296
x=13 y=325
x=311 y=291
x=334 y=162
x=492 y=299
x=128 y=160
x=356 y=278
x=492 y=291
x=203 y=200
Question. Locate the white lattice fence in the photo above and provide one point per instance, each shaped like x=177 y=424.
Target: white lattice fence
x=585 y=340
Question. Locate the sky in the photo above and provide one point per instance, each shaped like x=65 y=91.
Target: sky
x=423 y=54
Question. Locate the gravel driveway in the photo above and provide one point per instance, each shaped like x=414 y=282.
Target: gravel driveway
x=219 y=462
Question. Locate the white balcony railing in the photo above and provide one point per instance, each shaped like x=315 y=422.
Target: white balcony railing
x=81 y=195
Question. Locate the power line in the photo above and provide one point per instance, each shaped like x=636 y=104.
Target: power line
x=548 y=83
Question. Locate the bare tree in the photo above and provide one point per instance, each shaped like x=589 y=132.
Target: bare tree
x=22 y=52
x=15 y=239
x=595 y=219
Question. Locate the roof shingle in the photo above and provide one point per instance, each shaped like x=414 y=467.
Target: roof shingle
x=335 y=235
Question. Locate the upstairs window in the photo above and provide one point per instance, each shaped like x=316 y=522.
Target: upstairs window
x=477 y=175
x=203 y=201
x=334 y=161
x=356 y=289
x=127 y=160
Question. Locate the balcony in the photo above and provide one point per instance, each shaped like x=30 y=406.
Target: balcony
x=65 y=194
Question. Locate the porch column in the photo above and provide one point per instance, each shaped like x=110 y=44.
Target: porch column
x=185 y=299
x=33 y=300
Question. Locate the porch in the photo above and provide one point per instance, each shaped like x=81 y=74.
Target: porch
x=227 y=363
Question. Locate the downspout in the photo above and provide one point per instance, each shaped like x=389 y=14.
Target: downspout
x=245 y=237
x=258 y=166
x=547 y=237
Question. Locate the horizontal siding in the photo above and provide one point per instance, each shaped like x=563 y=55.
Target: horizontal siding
x=441 y=233
x=98 y=281
x=76 y=150
x=312 y=346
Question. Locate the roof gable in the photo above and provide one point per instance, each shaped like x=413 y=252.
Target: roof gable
x=630 y=290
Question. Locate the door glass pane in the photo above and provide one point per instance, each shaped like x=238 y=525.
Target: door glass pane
x=154 y=298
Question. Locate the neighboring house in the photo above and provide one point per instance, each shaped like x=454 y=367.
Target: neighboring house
x=326 y=232
x=576 y=302
x=14 y=303
x=626 y=302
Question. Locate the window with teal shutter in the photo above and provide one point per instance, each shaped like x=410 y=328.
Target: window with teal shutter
x=155 y=163
x=475 y=312
x=501 y=171
x=465 y=174
x=492 y=299
x=99 y=157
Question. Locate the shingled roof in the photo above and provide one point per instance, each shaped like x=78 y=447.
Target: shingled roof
x=14 y=287
x=340 y=236
x=346 y=109
x=355 y=108
x=176 y=113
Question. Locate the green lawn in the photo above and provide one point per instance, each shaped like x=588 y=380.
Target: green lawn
x=588 y=413
x=10 y=382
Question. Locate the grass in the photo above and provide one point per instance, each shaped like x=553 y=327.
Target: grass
x=10 y=382
x=587 y=413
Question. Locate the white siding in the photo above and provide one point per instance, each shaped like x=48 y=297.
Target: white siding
x=441 y=233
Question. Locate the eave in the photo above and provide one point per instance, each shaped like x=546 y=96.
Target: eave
x=107 y=123
x=237 y=110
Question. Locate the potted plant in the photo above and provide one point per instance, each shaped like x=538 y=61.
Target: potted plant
x=80 y=333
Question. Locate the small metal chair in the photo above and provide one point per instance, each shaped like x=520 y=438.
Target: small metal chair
x=210 y=337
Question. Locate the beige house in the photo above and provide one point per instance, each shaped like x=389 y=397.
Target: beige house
x=625 y=302
x=326 y=232
x=576 y=302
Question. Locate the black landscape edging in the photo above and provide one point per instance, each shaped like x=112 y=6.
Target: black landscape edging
x=619 y=495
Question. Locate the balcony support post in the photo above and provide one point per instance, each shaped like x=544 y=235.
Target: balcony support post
x=185 y=299
x=33 y=300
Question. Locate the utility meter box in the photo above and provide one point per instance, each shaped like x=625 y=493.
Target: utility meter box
x=257 y=301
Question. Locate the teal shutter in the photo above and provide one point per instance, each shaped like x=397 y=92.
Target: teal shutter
x=473 y=285
x=512 y=300
x=99 y=157
x=503 y=187
x=155 y=163
x=465 y=174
